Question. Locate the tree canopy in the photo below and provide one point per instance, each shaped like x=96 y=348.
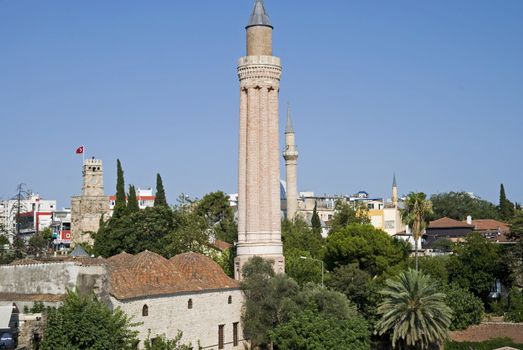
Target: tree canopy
x=85 y=323
x=413 y=311
x=459 y=205
x=161 y=198
x=372 y=249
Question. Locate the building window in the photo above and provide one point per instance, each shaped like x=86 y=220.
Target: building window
x=229 y=300
x=221 y=342
x=189 y=304
x=235 y=334
x=145 y=311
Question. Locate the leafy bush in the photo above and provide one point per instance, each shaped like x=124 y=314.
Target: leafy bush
x=514 y=306
x=310 y=330
x=467 y=309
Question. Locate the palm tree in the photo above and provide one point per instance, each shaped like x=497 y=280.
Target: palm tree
x=414 y=311
x=415 y=215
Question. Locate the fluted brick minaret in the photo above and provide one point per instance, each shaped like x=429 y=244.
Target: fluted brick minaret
x=291 y=163
x=259 y=225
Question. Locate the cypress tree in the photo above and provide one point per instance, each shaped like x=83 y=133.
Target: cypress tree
x=161 y=199
x=315 y=221
x=506 y=208
x=120 y=205
x=132 y=200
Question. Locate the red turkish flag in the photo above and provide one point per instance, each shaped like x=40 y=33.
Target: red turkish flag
x=80 y=150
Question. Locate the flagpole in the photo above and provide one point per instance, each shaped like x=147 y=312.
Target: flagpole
x=83 y=155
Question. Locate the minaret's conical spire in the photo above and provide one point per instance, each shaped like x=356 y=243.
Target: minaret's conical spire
x=259 y=16
x=394 y=184
x=288 y=127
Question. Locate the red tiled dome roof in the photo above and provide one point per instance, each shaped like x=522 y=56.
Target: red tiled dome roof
x=149 y=274
x=202 y=272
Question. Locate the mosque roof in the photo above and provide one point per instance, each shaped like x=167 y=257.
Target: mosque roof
x=259 y=16
x=150 y=274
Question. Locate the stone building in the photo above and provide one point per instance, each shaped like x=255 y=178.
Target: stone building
x=88 y=209
x=259 y=212
x=188 y=293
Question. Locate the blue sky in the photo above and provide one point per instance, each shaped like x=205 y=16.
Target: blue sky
x=431 y=90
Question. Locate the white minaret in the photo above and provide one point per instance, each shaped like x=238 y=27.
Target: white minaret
x=259 y=225
x=394 y=192
x=291 y=163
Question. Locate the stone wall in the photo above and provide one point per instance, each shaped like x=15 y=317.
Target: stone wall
x=168 y=314
x=49 y=282
x=86 y=212
x=490 y=330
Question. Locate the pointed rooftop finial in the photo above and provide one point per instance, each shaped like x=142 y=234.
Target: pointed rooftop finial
x=259 y=16
x=394 y=184
x=288 y=127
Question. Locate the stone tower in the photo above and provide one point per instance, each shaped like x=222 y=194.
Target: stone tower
x=259 y=211
x=291 y=162
x=394 y=191
x=87 y=209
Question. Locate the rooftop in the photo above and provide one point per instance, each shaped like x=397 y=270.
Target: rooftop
x=150 y=274
x=449 y=223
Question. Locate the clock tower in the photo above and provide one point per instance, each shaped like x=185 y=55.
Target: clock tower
x=93 y=179
x=92 y=205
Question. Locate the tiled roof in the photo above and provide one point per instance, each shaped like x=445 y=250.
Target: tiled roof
x=25 y=261
x=490 y=224
x=221 y=245
x=32 y=297
x=449 y=223
x=150 y=274
x=202 y=272
x=85 y=261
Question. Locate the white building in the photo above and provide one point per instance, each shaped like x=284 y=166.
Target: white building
x=188 y=293
x=35 y=215
x=144 y=196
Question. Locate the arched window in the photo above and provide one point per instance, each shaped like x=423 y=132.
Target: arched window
x=229 y=300
x=145 y=310
x=189 y=304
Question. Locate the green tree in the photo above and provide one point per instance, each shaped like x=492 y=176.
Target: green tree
x=161 y=198
x=415 y=214
x=315 y=220
x=459 y=205
x=413 y=311
x=302 y=270
x=476 y=265
x=435 y=266
x=190 y=234
x=132 y=200
x=162 y=343
x=443 y=244
x=506 y=207
x=515 y=251
x=37 y=244
x=346 y=214
x=359 y=287
x=85 y=323
x=372 y=249
x=217 y=211
x=297 y=235
x=143 y=230
x=514 y=306
x=308 y=330
x=120 y=205
x=266 y=295
x=467 y=309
